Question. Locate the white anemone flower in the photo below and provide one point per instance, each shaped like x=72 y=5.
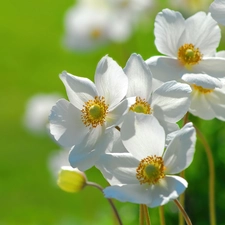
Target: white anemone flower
x=89 y=25
x=189 y=45
x=217 y=9
x=93 y=108
x=145 y=174
x=168 y=103
x=37 y=111
x=207 y=97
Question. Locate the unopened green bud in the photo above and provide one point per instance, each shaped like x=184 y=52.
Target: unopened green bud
x=71 y=179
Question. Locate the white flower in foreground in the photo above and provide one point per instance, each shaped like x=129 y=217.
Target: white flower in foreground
x=143 y=176
x=169 y=103
x=217 y=9
x=37 y=111
x=189 y=45
x=93 y=109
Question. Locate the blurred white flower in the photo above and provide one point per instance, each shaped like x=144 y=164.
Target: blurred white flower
x=56 y=160
x=217 y=9
x=143 y=175
x=90 y=24
x=37 y=111
x=189 y=7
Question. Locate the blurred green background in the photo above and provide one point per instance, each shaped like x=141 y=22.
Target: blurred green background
x=31 y=59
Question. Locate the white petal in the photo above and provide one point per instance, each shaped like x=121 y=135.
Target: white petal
x=168 y=189
x=134 y=193
x=179 y=154
x=203 y=32
x=218 y=108
x=139 y=77
x=171 y=101
x=79 y=89
x=214 y=67
x=111 y=81
x=165 y=68
x=203 y=80
x=200 y=106
x=115 y=116
x=217 y=9
x=142 y=135
x=117 y=146
x=169 y=26
x=85 y=154
x=220 y=54
x=168 y=127
x=118 y=168
x=66 y=125
x=209 y=106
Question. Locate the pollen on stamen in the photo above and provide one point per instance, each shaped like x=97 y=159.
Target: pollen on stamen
x=150 y=170
x=141 y=106
x=202 y=90
x=188 y=55
x=94 y=112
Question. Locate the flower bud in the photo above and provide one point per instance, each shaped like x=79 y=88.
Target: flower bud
x=71 y=179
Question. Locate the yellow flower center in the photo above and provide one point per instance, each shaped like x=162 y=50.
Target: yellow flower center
x=201 y=89
x=94 y=112
x=141 y=106
x=188 y=55
x=150 y=170
x=95 y=33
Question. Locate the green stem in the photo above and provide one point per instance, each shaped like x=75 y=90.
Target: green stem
x=182 y=202
x=185 y=215
x=182 y=174
x=211 y=177
x=162 y=215
x=141 y=215
x=147 y=217
x=109 y=200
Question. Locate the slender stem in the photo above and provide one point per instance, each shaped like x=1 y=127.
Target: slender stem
x=211 y=177
x=147 y=217
x=185 y=215
x=182 y=174
x=141 y=215
x=109 y=200
x=182 y=202
x=162 y=215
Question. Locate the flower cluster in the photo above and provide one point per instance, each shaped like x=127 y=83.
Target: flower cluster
x=126 y=122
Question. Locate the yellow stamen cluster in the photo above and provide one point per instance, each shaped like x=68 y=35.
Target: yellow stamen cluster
x=150 y=170
x=188 y=55
x=201 y=89
x=95 y=34
x=141 y=106
x=94 y=112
